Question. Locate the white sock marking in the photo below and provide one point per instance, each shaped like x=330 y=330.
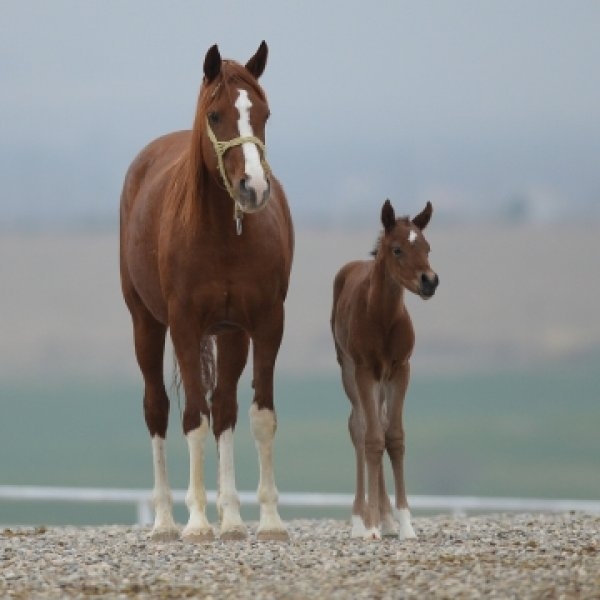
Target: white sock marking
x=358 y=527
x=254 y=170
x=228 y=501
x=161 y=495
x=263 y=428
x=406 y=531
x=195 y=497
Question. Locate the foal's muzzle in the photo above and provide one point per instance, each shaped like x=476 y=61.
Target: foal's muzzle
x=428 y=284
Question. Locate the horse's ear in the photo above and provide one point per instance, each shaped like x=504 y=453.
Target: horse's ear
x=423 y=217
x=212 y=63
x=256 y=65
x=388 y=216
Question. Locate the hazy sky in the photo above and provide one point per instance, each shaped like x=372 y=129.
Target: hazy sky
x=471 y=104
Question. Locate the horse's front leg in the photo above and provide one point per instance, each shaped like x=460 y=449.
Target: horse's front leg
x=395 y=446
x=189 y=349
x=368 y=390
x=266 y=341
x=232 y=353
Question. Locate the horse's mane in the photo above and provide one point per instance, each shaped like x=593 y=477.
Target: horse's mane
x=404 y=219
x=187 y=175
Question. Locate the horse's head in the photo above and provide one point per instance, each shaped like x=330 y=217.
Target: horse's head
x=406 y=251
x=235 y=110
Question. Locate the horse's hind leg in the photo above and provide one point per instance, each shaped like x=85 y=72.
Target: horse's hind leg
x=193 y=352
x=149 y=335
x=232 y=353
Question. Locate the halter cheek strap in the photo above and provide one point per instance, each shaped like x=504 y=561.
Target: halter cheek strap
x=220 y=149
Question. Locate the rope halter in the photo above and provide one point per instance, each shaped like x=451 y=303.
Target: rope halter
x=220 y=149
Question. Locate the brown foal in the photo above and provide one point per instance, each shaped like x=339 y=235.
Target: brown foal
x=374 y=338
x=206 y=251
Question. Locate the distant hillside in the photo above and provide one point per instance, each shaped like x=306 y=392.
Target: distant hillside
x=509 y=296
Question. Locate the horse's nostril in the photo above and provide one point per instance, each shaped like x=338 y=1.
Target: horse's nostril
x=428 y=282
x=243 y=184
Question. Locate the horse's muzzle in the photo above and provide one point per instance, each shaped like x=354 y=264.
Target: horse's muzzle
x=428 y=284
x=252 y=199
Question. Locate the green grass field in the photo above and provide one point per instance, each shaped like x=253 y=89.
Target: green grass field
x=529 y=434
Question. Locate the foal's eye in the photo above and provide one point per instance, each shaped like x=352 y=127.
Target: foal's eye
x=397 y=251
x=213 y=117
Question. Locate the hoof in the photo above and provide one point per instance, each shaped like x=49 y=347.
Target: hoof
x=164 y=535
x=389 y=528
x=405 y=529
x=199 y=536
x=407 y=534
x=373 y=534
x=235 y=534
x=273 y=535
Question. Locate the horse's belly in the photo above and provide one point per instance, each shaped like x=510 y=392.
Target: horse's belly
x=143 y=271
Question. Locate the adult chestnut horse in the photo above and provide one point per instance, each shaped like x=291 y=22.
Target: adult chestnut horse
x=206 y=252
x=374 y=339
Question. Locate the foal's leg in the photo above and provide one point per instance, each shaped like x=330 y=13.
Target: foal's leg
x=374 y=446
x=266 y=341
x=356 y=428
x=149 y=336
x=188 y=349
x=394 y=444
x=232 y=353
x=389 y=528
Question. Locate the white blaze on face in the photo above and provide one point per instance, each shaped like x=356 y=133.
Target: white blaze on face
x=412 y=236
x=254 y=170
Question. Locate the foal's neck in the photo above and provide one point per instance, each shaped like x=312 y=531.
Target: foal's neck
x=386 y=296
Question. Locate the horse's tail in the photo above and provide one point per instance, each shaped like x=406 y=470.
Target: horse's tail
x=208 y=368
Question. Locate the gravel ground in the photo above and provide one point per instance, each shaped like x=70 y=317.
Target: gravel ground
x=499 y=556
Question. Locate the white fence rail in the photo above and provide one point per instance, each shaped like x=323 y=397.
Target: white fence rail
x=142 y=500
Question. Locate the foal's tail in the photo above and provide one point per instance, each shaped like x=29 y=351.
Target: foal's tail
x=208 y=368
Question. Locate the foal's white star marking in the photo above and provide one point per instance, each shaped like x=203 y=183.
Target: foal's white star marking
x=412 y=236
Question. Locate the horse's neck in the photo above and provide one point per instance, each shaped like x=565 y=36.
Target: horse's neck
x=214 y=206
x=386 y=297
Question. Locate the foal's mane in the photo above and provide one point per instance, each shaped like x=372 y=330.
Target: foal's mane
x=405 y=219
x=187 y=176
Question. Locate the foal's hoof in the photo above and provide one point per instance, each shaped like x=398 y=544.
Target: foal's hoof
x=273 y=535
x=164 y=534
x=198 y=536
x=373 y=534
x=389 y=527
x=235 y=534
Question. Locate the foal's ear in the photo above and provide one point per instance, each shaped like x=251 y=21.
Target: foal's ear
x=212 y=63
x=423 y=217
x=388 y=216
x=256 y=65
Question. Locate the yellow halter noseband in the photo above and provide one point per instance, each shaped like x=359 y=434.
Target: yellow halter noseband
x=220 y=149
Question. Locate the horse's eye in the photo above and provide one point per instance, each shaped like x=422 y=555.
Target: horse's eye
x=397 y=251
x=213 y=117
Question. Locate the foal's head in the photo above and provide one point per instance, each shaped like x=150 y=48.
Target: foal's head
x=405 y=251
x=232 y=114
